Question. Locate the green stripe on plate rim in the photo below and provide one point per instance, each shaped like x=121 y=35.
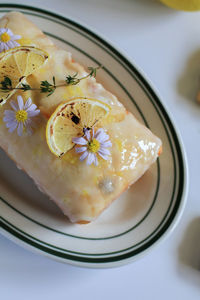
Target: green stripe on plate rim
x=159 y=108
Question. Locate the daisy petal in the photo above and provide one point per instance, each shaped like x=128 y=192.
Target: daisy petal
x=79 y=141
x=2 y=30
x=9 y=124
x=20 y=102
x=8 y=31
x=16 y=44
x=104 y=151
x=1 y=47
x=33 y=113
x=10 y=44
x=103 y=156
x=96 y=161
x=80 y=149
x=29 y=130
x=28 y=103
x=9 y=112
x=87 y=134
x=14 y=105
x=6 y=46
x=98 y=132
x=16 y=37
x=32 y=107
x=106 y=144
x=13 y=127
x=30 y=123
x=101 y=136
x=8 y=118
x=20 y=129
x=84 y=155
x=90 y=158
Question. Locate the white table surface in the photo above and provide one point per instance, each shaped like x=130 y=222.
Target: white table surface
x=165 y=44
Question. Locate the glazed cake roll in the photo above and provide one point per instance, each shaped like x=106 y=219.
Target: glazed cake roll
x=101 y=160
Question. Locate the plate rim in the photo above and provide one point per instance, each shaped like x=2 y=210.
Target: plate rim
x=163 y=233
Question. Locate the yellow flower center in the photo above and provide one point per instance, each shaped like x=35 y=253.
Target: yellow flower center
x=94 y=146
x=5 y=37
x=21 y=116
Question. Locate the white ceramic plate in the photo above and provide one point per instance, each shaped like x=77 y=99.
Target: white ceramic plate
x=143 y=214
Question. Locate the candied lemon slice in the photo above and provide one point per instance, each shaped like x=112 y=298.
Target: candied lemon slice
x=70 y=119
x=18 y=63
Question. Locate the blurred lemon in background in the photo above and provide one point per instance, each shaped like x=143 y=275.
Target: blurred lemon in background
x=187 y=5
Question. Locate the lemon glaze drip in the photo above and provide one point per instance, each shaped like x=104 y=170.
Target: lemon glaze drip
x=25 y=42
x=119 y=144
x=69 y=157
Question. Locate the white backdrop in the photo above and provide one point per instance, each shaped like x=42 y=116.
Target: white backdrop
x=165 y=44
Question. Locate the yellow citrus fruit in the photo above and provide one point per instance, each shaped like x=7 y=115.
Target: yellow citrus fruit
x=18 y=63
x=70 y=119
x=187 y=5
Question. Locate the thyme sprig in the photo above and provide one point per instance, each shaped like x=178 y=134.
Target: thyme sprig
x=46 y=86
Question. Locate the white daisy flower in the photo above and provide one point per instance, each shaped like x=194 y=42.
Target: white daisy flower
x=8 y=39
x=20 y=116
x=93 y=144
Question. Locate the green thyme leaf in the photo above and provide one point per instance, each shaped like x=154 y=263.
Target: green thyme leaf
x=72 y=80
x=54 y=81
x=6 y=84
x=93 y=71
x=25 y=87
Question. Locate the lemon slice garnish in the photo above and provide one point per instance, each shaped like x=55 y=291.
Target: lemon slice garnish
x=18 y=63
x=70 y=119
